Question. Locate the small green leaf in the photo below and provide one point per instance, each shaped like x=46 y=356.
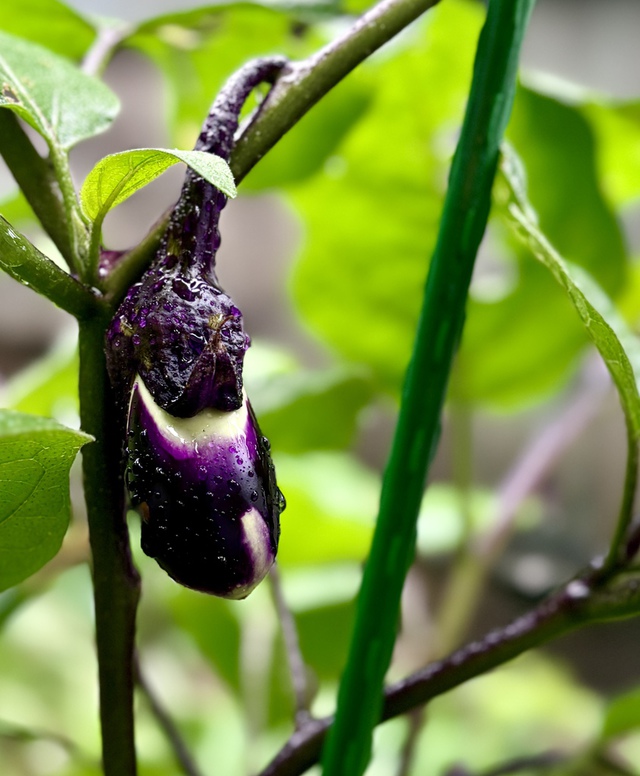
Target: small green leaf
x=118 y=176
x=52 y=95
x=35 y=457
x=617 y=345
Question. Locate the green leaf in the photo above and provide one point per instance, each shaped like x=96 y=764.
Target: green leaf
x=16 y=210
x=617 y=128
x=622 y=715
x=197 y=49
x=306 y=148
x=558 y=149
x=59 y=101
x=35 y=457
x=50 y=23
x=618 y=346
x=118 y=176
x=371 y=213
x=324 y=634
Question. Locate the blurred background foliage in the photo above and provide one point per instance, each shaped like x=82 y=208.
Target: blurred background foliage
x=342 y=215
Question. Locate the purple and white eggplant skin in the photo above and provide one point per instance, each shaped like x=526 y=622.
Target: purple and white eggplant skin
x=176 y=327
x=197 y=466
x=206 y=489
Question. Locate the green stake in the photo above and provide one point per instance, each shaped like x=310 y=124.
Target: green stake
x=464 y=219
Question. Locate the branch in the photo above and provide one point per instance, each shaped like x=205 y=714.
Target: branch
x=168 y=726
x=583 y=601
x=20 y=259
x=116 y=583
x=35 y=177
x=297 y=668
x=302 y=84
x=103 y=47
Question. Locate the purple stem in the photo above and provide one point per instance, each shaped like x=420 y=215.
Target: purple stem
x=193 y=227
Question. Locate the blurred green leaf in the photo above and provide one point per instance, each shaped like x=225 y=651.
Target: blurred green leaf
x=16 y=209
x=59 y=101
x=215 y=629
x=50 y=23
x=280 y=701
x=618 y=346
x=35 y=457
x=305 y=411
x=117 y=176
x=305 y=148
x=441 y=525
x=622 y=715
x=324 y=634
x=198 y=49
x=371 y=214
x=558 y=150
x=553 y=712
x=617 y=128
x=331 y=505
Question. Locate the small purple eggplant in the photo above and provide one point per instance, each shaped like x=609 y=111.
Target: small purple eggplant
x=207 y=492
x=197 y=466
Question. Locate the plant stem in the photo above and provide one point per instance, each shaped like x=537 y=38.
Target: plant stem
x=24 y=262
x=302 y=84
x=169 y=728
x=34 y=176
x=617 y=549
x=295 y=658
x=464 y=219
x=104 y=46
x=115 y=580
x=582 y=601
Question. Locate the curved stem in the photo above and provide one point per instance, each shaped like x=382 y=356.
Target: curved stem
x=34 y=176
x=462 y=226
x=302 y=84
x=617 y=550
x=115 y=580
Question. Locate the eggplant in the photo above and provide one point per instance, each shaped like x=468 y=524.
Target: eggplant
x=197 y=467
